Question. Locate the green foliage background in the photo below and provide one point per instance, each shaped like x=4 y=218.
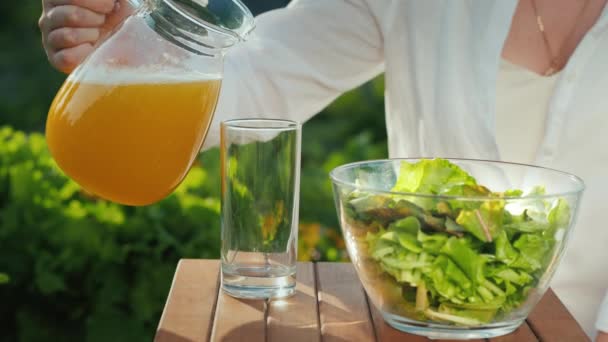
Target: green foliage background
x=73 y=268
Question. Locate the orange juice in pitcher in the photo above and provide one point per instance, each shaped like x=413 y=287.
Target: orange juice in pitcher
x=129 y=122
x=138 y=136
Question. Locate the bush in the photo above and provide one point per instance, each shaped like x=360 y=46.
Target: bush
x=85 y=269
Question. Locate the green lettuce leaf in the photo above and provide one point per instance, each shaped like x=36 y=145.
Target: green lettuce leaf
x=452 y=318
x=514 y=277
x=503 y=274
x=533 y=250
x=443 y=284
x=510 y=193
x=409 y=225
x=431 y=176
x=484 y=316
x=432 y=243
x=504 y=251
x=485 y=223
x=526 y=226
x=558 y=217
x=471 y=262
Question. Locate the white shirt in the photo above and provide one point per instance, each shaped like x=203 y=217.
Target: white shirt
x=441 y=60
x=522 y=99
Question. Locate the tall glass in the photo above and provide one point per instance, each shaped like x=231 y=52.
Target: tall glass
x=260 y=178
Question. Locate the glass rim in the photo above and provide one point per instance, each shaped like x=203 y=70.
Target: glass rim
x=579 y=187
x=270 y=124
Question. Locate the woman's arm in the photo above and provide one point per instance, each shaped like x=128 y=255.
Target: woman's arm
x=298 y=60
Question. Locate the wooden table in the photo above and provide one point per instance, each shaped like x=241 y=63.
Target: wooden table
x=330 y=305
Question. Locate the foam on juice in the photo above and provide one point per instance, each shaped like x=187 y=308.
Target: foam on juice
x=142 y=75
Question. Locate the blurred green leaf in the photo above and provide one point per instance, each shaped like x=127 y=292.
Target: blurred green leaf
x=4 y=278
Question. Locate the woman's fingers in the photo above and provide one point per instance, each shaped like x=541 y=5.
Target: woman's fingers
x=67 y=59
x=99 y=6
x=67 y=37
x=70 y=28
x=71 y=16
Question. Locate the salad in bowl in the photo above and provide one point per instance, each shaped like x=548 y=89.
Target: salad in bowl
x=454 y=248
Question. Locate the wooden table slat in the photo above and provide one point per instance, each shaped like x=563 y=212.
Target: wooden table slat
x=551 y=321
x=239 y=319
x=191 y=302
x=329 y=305
x=522 y=334
x=386 y=333
x=295 y=319
x=343 y=311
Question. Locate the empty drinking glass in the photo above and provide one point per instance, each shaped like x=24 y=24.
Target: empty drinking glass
x=260 y=161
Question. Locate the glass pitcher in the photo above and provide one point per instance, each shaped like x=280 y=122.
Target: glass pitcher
x=128 y=123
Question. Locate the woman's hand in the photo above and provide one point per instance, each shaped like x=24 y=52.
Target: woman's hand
x=70 y=28
x=601 y=337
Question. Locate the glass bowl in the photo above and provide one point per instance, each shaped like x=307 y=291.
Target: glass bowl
x=448 y=256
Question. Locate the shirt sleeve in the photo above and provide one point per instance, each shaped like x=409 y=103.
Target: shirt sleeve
x=602 y=317
x=298 y=60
